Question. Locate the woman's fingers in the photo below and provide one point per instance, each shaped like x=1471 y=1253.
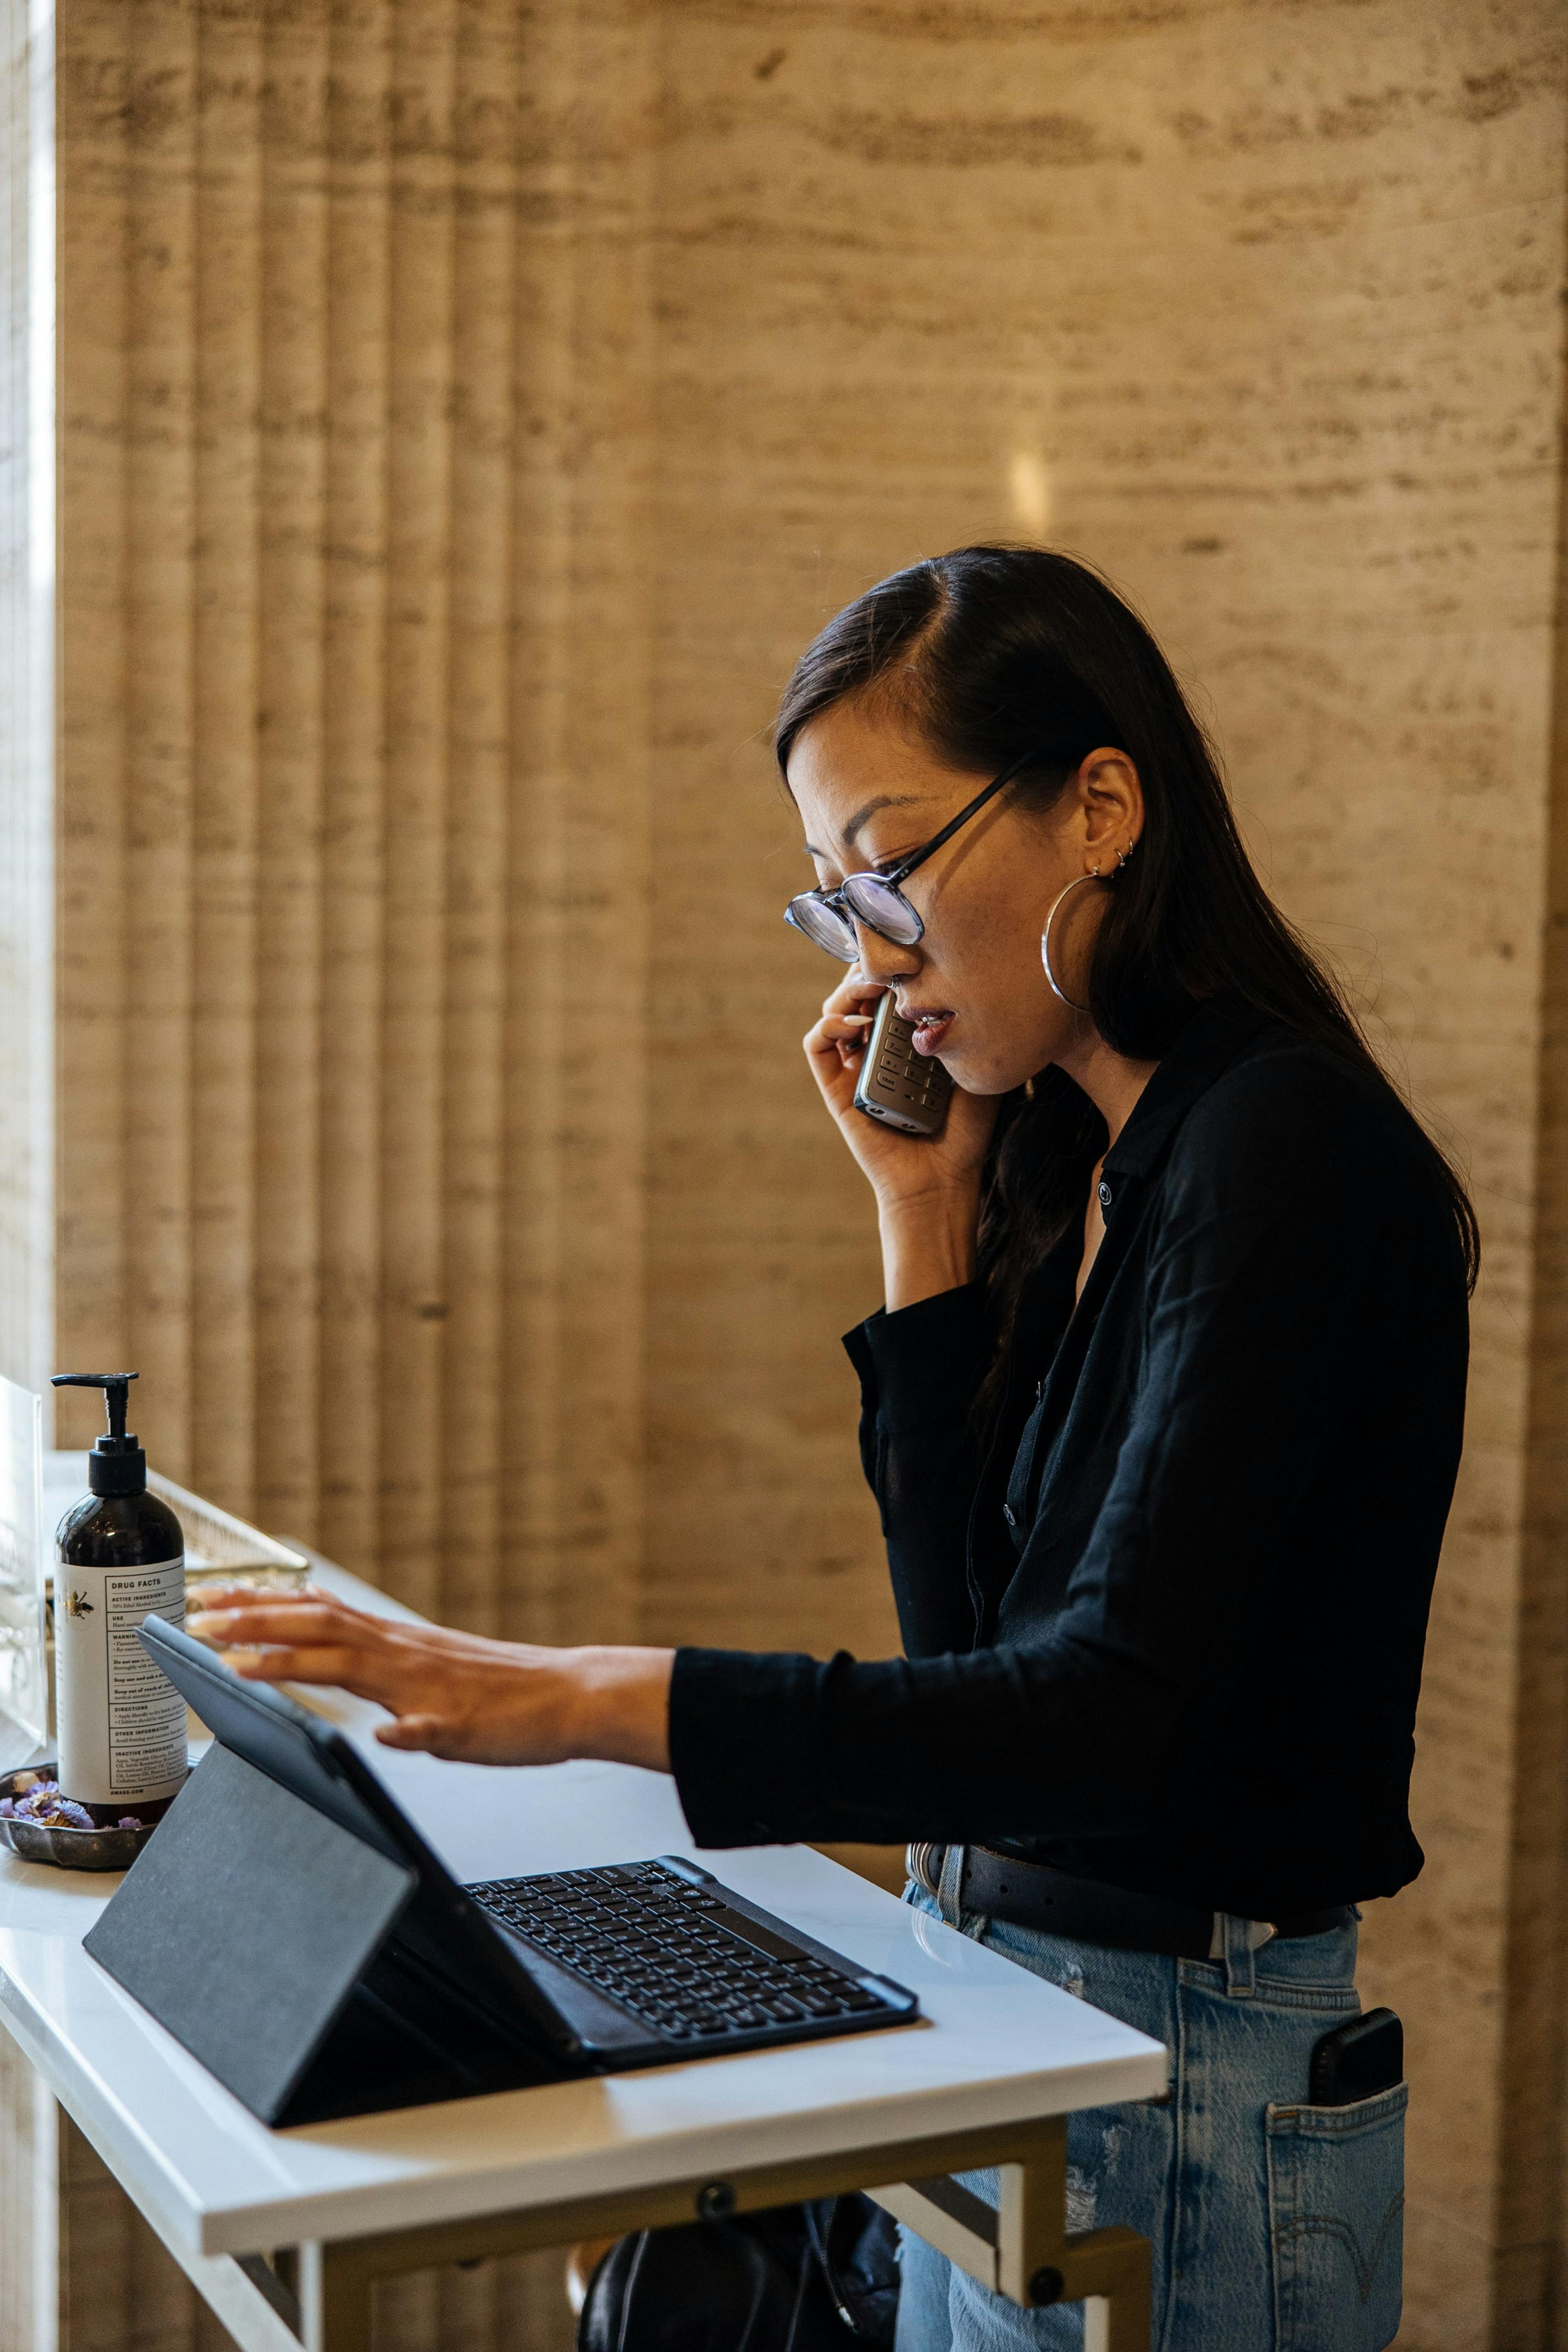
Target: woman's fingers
x=245 y=1612
x=353 y=1670
x=854 y=992
x=847 y=1013
x=241 y=1595
x=453 y=1695
x=426 y=1733
x=844 y=1033
x=295 y=1640
x=276 y=1617
x=458 y=1741
x=835 y=1043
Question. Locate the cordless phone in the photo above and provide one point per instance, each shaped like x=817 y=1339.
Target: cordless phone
x=898 y=1086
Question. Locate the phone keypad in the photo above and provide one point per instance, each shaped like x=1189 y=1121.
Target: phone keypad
x=907 y=1081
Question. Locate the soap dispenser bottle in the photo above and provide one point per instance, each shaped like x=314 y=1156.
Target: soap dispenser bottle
x=120 y=1555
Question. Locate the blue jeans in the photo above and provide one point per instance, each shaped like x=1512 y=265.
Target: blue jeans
x=1276 y=2226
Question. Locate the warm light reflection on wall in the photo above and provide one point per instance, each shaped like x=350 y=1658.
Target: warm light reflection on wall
x=1029 y=492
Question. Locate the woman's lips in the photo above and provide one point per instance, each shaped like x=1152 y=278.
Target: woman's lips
x=931 y=1029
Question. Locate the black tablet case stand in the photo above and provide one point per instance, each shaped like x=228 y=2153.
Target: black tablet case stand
x=264 y=1937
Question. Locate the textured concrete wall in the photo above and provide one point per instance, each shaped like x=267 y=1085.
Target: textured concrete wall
x=467 y=410
x=1259 y=309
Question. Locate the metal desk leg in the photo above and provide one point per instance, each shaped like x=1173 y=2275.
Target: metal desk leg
x=336 y=2297
x=1026 y=2249
x=1023 y=2250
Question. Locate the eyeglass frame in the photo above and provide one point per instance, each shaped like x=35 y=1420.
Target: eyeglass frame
x=832 y=901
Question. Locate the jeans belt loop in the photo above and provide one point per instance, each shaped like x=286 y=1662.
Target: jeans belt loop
x=950 y=1888
x=1241 y=1974
x=1262 y=1931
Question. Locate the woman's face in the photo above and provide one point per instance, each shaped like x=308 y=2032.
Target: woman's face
x=974 y=987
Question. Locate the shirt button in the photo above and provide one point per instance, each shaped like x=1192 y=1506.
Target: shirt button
x=1106 y=1194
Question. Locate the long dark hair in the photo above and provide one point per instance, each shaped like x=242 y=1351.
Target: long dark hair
x=991 y=652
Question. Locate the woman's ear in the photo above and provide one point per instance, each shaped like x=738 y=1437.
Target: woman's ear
x=1110 y=800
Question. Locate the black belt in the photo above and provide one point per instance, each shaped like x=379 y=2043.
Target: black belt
x=1033 y=1895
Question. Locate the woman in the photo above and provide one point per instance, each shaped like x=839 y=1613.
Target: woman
x=1163 y=1414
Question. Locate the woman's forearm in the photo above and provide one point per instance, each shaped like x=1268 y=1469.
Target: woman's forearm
x=929 y=1244
x=620 y=1703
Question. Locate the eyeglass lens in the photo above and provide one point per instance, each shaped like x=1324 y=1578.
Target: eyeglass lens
x=825 y=927
x=883 y=906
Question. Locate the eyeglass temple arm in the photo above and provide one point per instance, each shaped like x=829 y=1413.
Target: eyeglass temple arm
x=900 y=873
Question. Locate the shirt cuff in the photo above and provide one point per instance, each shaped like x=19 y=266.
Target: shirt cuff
x=922 y=1362
x=745 y=1744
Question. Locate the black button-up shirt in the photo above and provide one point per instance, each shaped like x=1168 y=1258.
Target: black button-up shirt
x=1165 y=1628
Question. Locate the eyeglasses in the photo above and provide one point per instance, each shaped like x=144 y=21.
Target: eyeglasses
x=829 y=918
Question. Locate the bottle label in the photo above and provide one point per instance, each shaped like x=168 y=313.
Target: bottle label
x=122 y=1721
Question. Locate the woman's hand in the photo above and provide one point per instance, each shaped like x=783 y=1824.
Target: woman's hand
x=899 y=1167
x=927 y=1187
x=455 y=1695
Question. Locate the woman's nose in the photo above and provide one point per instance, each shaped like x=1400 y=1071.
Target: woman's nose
x=884 y=959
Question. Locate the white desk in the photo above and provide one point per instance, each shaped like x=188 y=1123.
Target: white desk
x=987 y=2077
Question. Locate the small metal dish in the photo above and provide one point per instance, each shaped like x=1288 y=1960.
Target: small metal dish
x=70 y=1849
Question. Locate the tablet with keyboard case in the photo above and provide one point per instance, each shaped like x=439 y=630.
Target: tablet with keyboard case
x=290 y=1926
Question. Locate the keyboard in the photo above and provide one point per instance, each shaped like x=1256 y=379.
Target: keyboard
x=667 y=1942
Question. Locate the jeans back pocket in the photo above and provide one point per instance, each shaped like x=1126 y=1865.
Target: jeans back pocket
x=1336 y=2211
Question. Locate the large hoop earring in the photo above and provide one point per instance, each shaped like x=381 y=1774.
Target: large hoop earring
x=1045 y=941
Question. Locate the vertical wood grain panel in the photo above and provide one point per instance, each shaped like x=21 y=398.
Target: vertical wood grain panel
x=17 y=1248
x=607 y=820
x=26 y=702
x=487 y=113
x=230 y=283
x=98 y=2250
x=577 y=1031
x=420 y=554
x=291 y=725
x=536 y=983
x=29 y=2207
x=92 y=1322
x=356 y=842
x=160 y=102
x=353 y=809
x=120 y=2290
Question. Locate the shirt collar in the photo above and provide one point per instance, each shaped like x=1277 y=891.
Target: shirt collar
x=1215 y=1037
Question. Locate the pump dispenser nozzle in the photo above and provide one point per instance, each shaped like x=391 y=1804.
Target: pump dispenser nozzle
x=116 y=1465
